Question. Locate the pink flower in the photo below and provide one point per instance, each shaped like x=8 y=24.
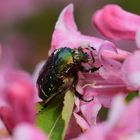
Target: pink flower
x=123 y=123
x=84 y=116
x=131 y=68
x=86 y=113
x=3 y=131
x=115 y=23
x=103 y=89
x=131 y=71
x=17 y=103
x=66 y=34
x=17 y=98
x=103 y=84
x=138 y=38
x=28 y=132
x=24 y=131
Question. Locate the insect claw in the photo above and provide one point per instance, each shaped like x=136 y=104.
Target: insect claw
x=81 y=97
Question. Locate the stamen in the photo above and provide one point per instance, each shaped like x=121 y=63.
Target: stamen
x=104 y=86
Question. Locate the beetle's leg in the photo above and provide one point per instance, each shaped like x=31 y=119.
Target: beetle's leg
x=81 y=97
x=91 y=53
x=93 y=69
x=77 y=93
x=93 y=59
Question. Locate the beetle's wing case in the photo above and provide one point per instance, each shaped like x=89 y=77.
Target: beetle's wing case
x=52 y=78
x=47 y=81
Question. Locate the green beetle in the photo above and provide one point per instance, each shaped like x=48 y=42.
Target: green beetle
x=60 y=72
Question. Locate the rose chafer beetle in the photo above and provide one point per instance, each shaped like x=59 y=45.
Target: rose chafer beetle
x=60 y=72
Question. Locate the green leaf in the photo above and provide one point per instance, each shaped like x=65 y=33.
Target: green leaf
x=131 y=95
x=50 y=119
x=103 y=113
x=55 y=117
x=67 y=109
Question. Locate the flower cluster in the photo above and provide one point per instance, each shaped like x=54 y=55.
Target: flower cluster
x=118 y=77
x=119 y=71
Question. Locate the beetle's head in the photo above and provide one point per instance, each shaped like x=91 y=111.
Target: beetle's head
x=80 y=56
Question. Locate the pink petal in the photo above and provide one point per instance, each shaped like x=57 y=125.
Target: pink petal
x=135 y=136
x=81 y=122
x=28 y=132
x=90 y=111
x=123 y=122
x=138 y=38
x=18 y=94
x=132 y=111
x=35 y=76
x=93 y=84
x=7 y=118
x=116 y=23
x=117 y=108
x=110 y=68
x=131 y=70
x=86 y=113
x=96 y=133
x=73 y=130
x=121 y=116
x=66 y=34
x=119 y=56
